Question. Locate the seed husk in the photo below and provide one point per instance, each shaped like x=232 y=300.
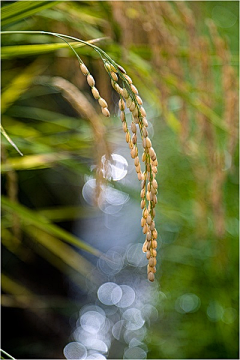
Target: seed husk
x=114 y=76
x=152 y=261
x=151 y=276
x=148 y=254
x=144 y=248
x=95 y=93
x=122 y=116
x=90 y=80
x=133 y=127
x=139 y=100
x=84 y=69
x=121 y=104
x=132 y=106
x=129 y=80
x=154 y=244
x=143 y=221
x=105 y=112
x=134 y=89
x=102 y=103
x=122 y=69
x=143 y=112
x=145 y=122
x=125 y=93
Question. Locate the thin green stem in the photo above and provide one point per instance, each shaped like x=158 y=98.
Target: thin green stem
x=5 y=353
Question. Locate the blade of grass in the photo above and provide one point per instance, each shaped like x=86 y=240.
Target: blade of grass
x=20 y=84
x=63 y=251
x=10 y=140
x=31 y=162
x=22 y=9
x=8 y=52
x=33 y=218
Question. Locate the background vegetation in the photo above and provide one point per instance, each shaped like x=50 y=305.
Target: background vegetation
x=183 y=58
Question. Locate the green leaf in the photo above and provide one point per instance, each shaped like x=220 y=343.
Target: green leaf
x=8 y=52
x=22 y=9
x=33 y=218
x=10 y=140
x=20 y=84
x=63 y=251
x=34 y=161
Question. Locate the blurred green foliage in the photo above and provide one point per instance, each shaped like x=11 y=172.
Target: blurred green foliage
x=187 y=77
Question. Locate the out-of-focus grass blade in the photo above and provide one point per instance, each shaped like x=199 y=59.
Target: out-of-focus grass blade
x=12 y=287
x=33 y=218
x=8 y=52
x=63 y=251
x=20 y=84
x=22 y=9
x=67 y=213
x=10 y=140
x=195 y=102
x=30 y=162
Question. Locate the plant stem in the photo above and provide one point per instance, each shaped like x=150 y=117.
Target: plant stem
x=1 y=350
x=61 y=36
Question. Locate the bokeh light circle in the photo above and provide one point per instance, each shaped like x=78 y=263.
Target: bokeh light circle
x=75 y=350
